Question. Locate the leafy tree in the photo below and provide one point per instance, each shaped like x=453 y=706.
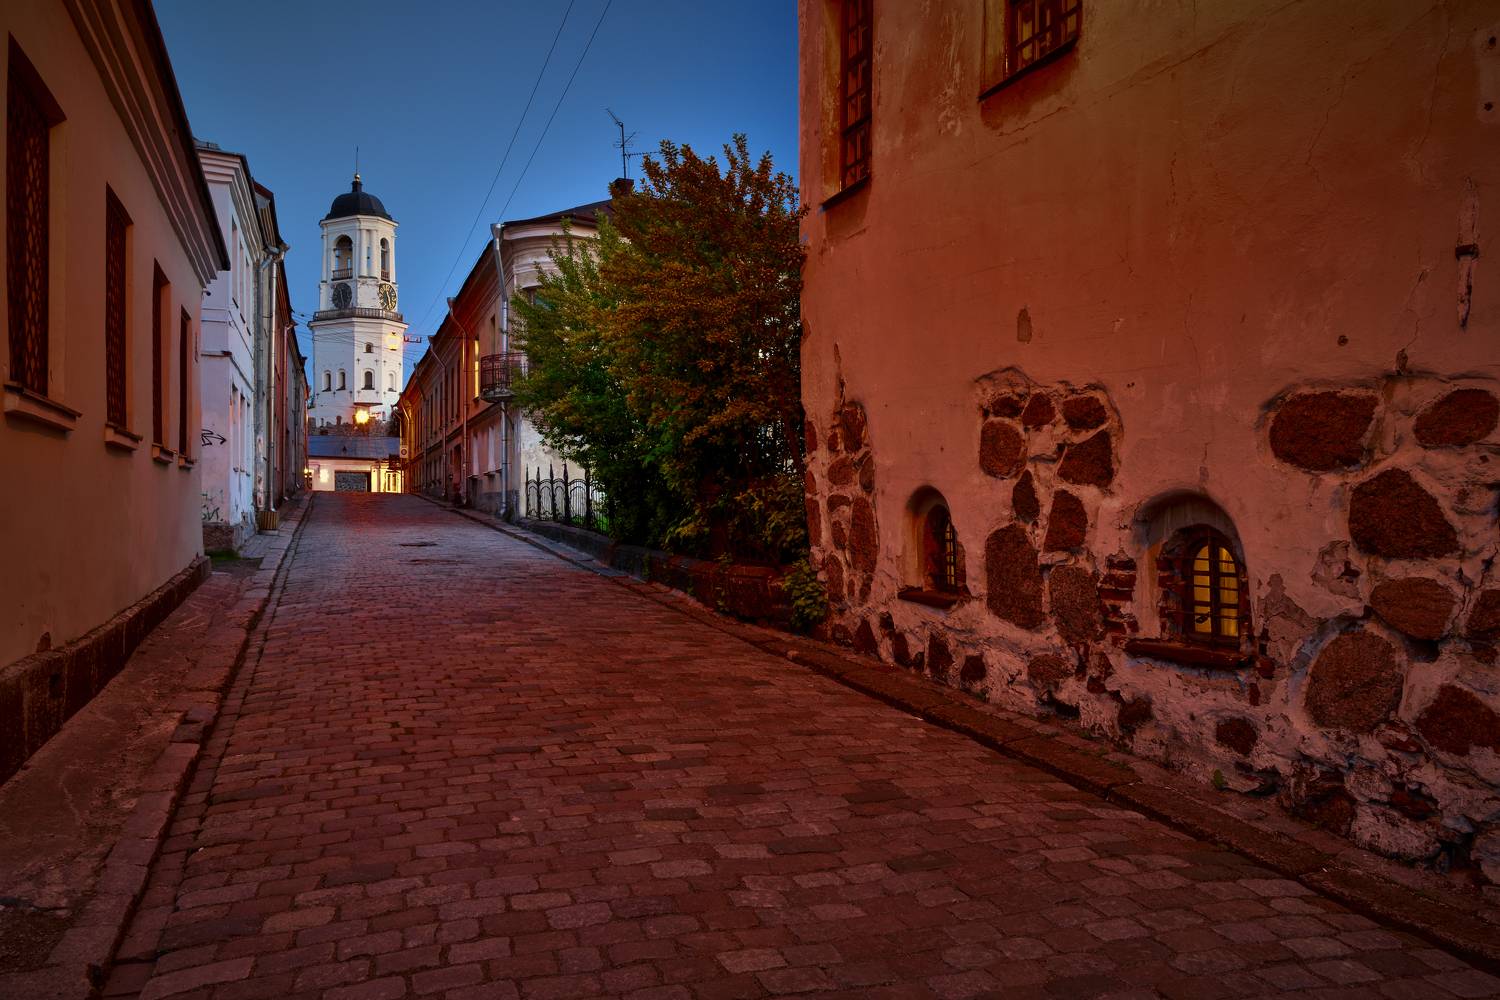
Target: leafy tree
x=666 y=356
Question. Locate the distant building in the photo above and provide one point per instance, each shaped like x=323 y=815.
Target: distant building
x=353 y=463
x=358 y=345
x=464 y=440
x=111 y=240
x=1152 y=375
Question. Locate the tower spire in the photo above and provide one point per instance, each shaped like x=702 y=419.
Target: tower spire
x=356 y=168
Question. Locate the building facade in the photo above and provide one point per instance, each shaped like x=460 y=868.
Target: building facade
x=354 y=463
x=108 y=253
x=232 y=330
x=463 y=439
x=358 y=343
x=1145 y=390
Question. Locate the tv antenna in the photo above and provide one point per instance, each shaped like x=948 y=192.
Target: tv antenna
x=623 y=144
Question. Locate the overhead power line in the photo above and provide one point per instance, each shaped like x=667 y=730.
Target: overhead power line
x=503 y=160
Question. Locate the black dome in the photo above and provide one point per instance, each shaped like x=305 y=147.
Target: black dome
x=356 y=201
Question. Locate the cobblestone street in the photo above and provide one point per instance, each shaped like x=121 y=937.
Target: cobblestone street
x=463 y=768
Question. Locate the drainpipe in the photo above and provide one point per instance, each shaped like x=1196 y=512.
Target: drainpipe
x=463 y=399
x=265 y=371
x=505 y=426
x=432 y=348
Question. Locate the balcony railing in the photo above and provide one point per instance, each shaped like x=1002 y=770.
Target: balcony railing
x=342 y=272
x=498 y=374
x=360 y=312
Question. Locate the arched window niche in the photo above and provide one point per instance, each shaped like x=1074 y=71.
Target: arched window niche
x=1192 y=588
x=343 y=383
x=933 y=561
x=343 y=258
x=327 y=380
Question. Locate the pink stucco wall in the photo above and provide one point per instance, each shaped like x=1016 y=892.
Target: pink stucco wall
x=1201 y=213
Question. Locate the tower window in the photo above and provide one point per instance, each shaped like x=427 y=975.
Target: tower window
x=385 y=260
x=855 y=93
x=1204 y=599
x=327 y=380
x=369 y=348
x=1022 y=34
x=369 y=379
x=342 y=383
x=343 y=258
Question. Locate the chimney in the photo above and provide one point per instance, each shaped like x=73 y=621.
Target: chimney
x=621 y=186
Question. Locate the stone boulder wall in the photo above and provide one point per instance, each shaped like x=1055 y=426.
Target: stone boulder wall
x=849 y=553
x=1320 y=431
x=1391 y=515
x=1355 y=683
x=1420 y=607
x=1461 y=417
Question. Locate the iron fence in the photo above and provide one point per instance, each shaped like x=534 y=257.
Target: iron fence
x=559 y=498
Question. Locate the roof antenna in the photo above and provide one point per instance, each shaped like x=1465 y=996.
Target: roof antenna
x=356 y=164
x=623 y=144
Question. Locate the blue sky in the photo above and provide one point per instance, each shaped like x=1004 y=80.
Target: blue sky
x=431 y=93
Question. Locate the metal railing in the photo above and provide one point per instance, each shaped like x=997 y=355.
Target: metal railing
x=498 y=374
x=342 y=272
x=359 y=311
x=558 y=498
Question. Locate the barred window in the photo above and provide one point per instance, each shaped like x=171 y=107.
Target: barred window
x=1204 y=597
x=184 y=363
x=1022 y=34
x=160 y=288
x=940 y=552
x=31 y=114
x=116 y=340
x=855 y=63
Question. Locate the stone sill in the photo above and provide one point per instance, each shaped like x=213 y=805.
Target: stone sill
x=161 y=455
x=843 y=194
x=931 y=598
x=1189 y=654
x=183 y=462
x=22 y=403
x=116 y=436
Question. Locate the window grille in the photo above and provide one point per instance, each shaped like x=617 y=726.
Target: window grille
x=184 y=360
x=941 y=551
x=30 y=114
x=855 y=92
x=1021 y=34
x=159 y=288
x=1205 y=597
x=116 y=222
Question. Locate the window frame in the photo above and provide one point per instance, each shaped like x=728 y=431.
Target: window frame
x=1178 y=582
x=997 y=68
x=117 y=225
x=184 y=381
x=28 y=274
x=861 y=14
x=161 y=288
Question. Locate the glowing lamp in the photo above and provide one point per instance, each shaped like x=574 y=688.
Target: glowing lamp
x=361 y=417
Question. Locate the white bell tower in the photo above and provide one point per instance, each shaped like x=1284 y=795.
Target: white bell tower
x=358 y=344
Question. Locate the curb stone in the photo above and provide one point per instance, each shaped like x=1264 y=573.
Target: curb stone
x=1447 y=922
x=81 y=962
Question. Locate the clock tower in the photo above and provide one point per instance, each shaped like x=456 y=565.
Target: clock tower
x=358 y=345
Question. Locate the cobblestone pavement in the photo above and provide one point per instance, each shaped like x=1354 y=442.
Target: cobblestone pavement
x=464 y=769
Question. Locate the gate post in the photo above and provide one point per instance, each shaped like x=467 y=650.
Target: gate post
x=567 y=496
x=588 y=501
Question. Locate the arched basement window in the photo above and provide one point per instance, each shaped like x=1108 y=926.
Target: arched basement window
x=940 y=551
x=1204 y=583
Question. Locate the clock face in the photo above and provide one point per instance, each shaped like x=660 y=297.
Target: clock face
x=342 y=295
x=388 y=298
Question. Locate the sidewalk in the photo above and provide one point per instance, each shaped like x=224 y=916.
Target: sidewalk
x=1461 y=918
x=82 y=821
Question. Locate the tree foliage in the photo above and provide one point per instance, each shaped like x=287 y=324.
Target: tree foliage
x=665 y=356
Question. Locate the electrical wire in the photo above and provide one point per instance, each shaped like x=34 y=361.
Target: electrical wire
x=503 y=160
